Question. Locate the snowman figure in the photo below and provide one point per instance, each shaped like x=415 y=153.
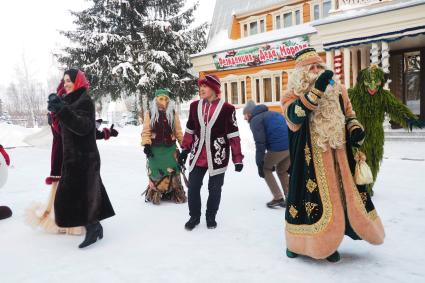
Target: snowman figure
x=5 y=211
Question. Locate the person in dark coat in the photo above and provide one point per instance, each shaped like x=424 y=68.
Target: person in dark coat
x=42 y=215
x=272 y=148
x=81 y=199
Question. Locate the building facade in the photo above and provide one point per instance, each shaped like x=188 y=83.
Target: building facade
x=252 y=43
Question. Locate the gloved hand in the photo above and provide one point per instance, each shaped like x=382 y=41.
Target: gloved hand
x=238 y=167
x=356 y=136
x=114 y=133
x=5 y=155
x=54 y=103
x=261 y=170
x=148 y=151
x=183 y=157
x=323 y=80
x=414 y=123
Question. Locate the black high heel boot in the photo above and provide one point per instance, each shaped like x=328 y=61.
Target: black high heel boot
x=93 y=233
x=335 y=257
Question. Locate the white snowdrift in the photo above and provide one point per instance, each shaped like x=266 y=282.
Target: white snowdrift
x=41 y=138
x=13 y=136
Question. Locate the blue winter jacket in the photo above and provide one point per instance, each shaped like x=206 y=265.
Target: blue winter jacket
x=270 y=132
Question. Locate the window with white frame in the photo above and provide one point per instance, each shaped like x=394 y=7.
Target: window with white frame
x=288 y=16
x=267 y=87
x=320 y=9
x=253 y=25
x=234 y=89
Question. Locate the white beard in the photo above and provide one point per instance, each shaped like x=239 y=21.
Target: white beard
x=301 y=80
x=327 y=121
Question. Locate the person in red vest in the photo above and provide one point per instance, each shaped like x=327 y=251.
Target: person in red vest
x=211 y=131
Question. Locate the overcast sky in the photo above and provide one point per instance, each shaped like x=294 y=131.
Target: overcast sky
x=30 y=28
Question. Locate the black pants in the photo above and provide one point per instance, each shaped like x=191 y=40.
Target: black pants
x=214 y=187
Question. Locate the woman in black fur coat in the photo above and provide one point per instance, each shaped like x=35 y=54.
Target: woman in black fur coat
x=81 y=199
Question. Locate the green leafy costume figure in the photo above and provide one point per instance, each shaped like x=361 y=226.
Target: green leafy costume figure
x=371 y=102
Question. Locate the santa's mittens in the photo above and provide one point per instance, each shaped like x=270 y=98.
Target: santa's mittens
x=106 y=133
x=5 y=155
x=357 y=136
x=51 y=179
x=323 y=80
x=5 y=212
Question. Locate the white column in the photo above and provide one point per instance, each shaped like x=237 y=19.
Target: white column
x=261 y=90
x=253 y=96
x=273 y=89
x=386 y=61
x=330 y=60
x=363 y=58
x=338 y=63
x=333 y=5
x=374 y=54
x=355 y=65
x=347 y=65
x=239 y=92
x=229 y=92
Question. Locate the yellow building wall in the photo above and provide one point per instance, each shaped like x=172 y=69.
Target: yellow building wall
x=235 y=32
x=275 y=108
x=269 y=22
x=248 y=90
x=306 y=12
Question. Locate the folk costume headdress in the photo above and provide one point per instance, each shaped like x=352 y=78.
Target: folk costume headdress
x=307 y=56
x=154 y=111
x=211 y=81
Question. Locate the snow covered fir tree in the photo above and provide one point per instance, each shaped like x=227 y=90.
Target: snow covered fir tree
x=134 y=47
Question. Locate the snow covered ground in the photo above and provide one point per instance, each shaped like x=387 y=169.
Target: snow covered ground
x=147 y=243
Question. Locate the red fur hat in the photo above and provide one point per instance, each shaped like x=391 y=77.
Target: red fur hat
x=211 y=81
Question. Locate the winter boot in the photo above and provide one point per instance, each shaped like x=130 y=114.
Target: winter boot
x=94 y=232
x=276 y=202
x=211 y=223
x=192 y=223
x=5 y=212
x=291 y=254
x=335 y=257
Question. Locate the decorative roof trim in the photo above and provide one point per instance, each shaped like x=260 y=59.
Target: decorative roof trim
x=388 y=36
x=340 y=17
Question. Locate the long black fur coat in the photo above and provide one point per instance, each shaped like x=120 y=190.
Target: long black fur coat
x=81 y=198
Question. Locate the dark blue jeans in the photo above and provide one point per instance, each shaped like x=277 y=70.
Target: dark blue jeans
x=214 y=188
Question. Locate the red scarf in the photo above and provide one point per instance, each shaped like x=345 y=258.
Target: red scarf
x=80 y=82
